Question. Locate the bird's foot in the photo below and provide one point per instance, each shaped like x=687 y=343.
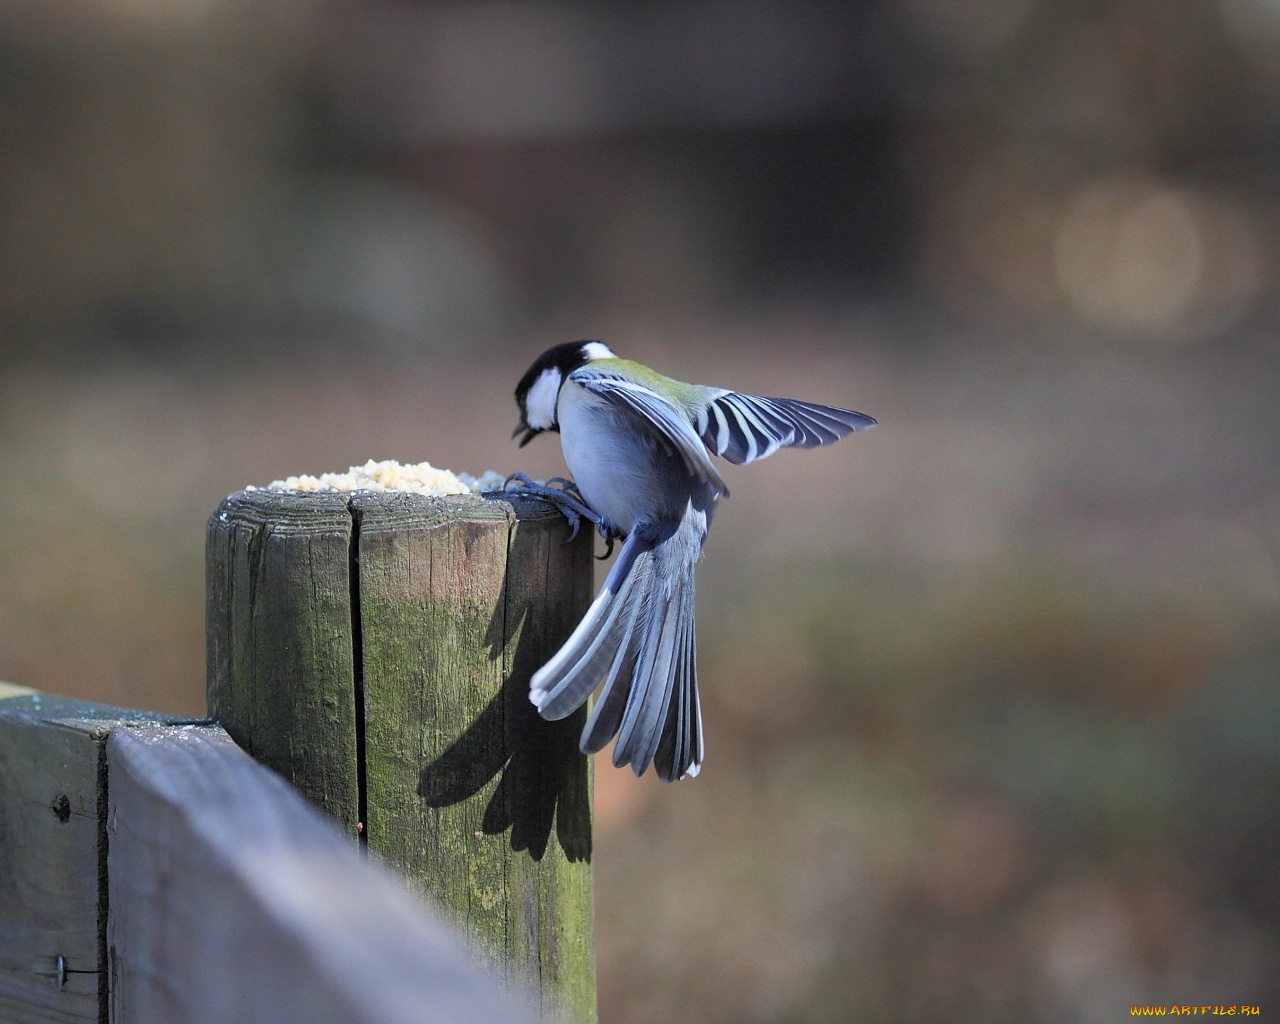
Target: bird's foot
x=566 y=498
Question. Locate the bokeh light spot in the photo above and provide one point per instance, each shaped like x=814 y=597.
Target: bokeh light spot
x=1140 y=257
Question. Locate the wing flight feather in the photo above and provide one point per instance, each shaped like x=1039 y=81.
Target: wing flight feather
x=743 y=428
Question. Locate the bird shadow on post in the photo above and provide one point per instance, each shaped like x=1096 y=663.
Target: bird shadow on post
x=545 y=779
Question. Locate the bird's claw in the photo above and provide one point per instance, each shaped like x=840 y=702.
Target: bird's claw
x=564 y=484
x=610 y=533
x=568 y=502
x=524 y=480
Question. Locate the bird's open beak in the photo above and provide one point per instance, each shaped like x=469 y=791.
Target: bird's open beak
x=529 y=432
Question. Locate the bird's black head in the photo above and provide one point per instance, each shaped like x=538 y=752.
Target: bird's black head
x=539 y=388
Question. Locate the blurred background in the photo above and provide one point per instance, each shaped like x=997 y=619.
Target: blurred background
x=990 y=692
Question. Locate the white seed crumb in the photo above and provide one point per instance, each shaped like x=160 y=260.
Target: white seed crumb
x=389 y=475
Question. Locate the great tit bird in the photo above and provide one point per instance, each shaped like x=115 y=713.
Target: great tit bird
x=639 y=447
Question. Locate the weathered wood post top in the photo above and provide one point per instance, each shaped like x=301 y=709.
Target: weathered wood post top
x=375 y=648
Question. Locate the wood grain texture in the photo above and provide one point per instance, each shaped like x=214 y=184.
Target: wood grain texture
x=484 y=806
x=53 y=902
x=234 y=902
x=281 y=668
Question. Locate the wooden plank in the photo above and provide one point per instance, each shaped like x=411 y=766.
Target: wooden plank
x=281 y=668
x=479 y=801
x=53 y=855
x=234 y=902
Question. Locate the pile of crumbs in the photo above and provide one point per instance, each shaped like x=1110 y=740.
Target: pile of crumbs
x=389 y=475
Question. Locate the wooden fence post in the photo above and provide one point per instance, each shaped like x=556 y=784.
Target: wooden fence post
x=375 y=649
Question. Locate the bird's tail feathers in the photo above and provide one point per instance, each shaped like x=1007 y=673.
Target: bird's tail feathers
x=638 y=637
x=653 y=678
x=679 y=752
x=563 y=683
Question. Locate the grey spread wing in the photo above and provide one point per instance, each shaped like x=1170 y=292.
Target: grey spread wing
x=658 y=413
x=743 y=428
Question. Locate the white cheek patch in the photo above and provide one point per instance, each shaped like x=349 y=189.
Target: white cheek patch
x=540 y=402
x=597 y=350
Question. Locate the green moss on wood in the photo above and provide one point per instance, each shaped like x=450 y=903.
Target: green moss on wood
x=281 y=666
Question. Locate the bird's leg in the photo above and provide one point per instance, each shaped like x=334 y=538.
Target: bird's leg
x=566 y=498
